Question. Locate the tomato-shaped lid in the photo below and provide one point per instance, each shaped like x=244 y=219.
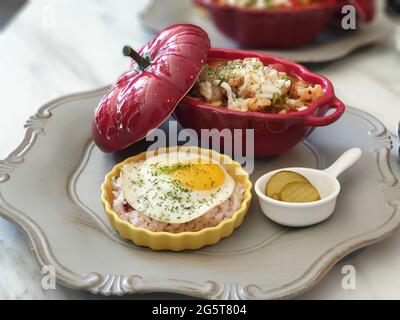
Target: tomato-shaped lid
x=161 y=74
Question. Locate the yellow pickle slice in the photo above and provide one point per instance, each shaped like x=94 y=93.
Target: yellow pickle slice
x=279 y=180
x=299 y=192
x=289 y=186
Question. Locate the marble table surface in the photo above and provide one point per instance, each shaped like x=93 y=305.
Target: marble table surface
x=53 y=48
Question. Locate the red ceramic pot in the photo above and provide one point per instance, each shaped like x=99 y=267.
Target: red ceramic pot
x=280 y=28
x=365 y=8
x=274 y=134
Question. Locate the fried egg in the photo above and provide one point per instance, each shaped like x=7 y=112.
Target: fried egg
x=176 y=187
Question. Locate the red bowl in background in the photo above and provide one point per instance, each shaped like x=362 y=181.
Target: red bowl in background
x=280 y=28
x=274 y=134
x=365 y=8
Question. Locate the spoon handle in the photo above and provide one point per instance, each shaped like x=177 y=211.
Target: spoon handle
x=345 y=161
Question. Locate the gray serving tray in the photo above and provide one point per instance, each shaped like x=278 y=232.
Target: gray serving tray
x=50 y=188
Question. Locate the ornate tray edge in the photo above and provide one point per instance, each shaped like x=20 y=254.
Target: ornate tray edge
x=119 y=285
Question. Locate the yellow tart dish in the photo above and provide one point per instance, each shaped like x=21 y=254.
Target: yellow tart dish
x=176 y=198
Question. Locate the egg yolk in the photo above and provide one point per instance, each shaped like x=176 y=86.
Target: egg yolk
x=199 y=176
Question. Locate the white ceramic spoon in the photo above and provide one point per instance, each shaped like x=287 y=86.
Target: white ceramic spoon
x=310 y=213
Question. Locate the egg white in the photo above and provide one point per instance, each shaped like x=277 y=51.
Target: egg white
x=159 y=196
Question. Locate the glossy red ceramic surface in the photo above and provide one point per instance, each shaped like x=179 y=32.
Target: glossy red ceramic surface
x=283 y=28
x=365 y=8
x=274 y=134
x=141 y=100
